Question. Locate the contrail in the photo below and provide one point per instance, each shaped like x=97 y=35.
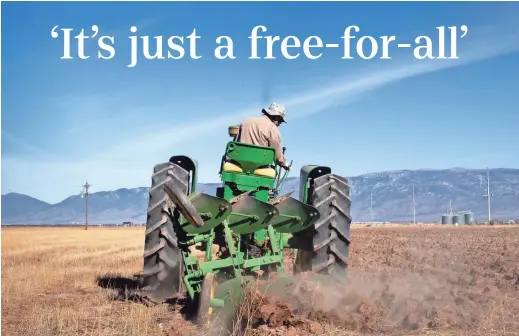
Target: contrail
x=26 y=147
x=496 y=45
x=111 y=167
x=490 y=49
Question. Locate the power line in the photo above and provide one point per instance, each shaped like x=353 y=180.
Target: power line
x=414 y=208
x=84 y=193
x=371 y=206
x=488 y=195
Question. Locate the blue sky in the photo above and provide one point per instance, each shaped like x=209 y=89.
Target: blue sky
x=67 y=121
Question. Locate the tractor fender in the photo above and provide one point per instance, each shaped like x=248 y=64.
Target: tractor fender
x=307 y=175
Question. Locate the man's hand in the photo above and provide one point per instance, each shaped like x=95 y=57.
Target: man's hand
x=285 y=166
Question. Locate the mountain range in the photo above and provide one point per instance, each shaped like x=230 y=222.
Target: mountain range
x=389 y=193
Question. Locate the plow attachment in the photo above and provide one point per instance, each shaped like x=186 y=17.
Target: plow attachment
x=218 y=248
x=243 y=214
x=294 y=215
x=205 y=218
x=231 y=298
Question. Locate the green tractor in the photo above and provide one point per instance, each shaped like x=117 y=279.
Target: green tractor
x=209 y=246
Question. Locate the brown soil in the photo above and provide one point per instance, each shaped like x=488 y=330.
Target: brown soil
x=404 y=280
x=408 y=280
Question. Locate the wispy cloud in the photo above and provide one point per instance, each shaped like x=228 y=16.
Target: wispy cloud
x=128 y=163
x=495 y=41
x=25 y=148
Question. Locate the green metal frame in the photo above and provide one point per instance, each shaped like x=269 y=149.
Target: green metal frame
x=249 y=157
x=246 y=208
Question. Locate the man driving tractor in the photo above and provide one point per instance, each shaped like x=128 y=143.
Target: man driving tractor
x=263 y=131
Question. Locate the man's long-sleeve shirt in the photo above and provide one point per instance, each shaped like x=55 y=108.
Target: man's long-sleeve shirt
x=261 y=131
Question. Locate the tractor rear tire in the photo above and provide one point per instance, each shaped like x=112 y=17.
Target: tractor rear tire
x=328 y=240
x=163 y=266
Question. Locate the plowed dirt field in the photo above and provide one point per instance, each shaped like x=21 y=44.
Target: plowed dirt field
x=414 y=281
x=404 y=280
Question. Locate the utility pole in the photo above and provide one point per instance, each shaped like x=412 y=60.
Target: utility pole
x=371 y=206
x=488 y=195
x=414 y=208
x=84 y=193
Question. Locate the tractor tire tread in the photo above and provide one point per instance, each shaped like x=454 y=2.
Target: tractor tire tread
x=162 y=256
x=331 y=235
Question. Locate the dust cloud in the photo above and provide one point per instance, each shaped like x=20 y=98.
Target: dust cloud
x=403 y=281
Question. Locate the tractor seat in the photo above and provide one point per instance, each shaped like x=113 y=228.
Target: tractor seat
x=231 y=167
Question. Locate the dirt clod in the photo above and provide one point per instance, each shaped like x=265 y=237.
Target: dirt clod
x=408 y=280
x=403 y=281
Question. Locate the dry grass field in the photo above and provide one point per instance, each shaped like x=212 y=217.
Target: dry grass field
x=434 y=281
